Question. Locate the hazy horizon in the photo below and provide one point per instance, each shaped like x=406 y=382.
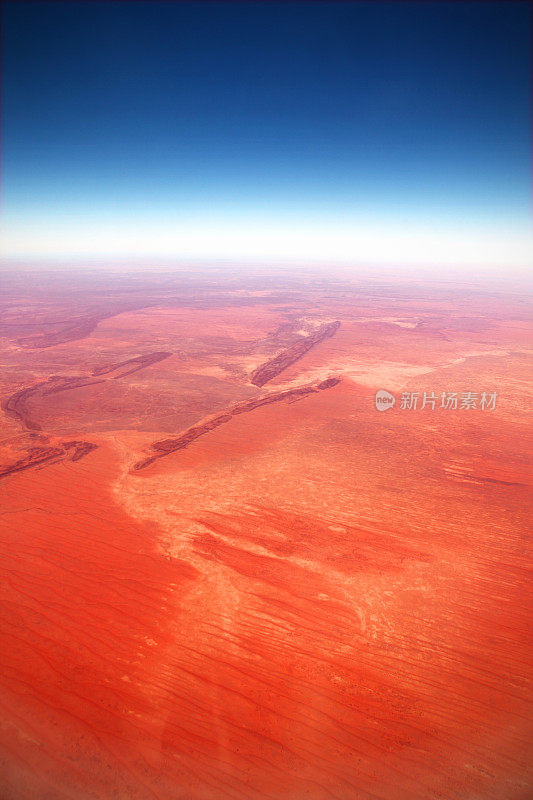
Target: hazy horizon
x=378 y=135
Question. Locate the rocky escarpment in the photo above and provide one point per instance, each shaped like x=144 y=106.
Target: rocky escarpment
x=60 y=331
x=41 y=456
x=16 y=405
x=131 y=365
x=266 y=372
x=166 y=446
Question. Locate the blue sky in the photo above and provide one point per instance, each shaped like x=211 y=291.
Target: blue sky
x=343 y=131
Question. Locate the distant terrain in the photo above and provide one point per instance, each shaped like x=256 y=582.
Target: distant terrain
x=227 y=575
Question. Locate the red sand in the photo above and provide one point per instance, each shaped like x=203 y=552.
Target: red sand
x=312 y=600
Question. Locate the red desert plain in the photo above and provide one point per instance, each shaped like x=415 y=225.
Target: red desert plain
x=226 y=575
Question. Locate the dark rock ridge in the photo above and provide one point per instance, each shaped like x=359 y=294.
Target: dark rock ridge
x=73 y=329
x=135 y=363
x=166 y=446
x=41 y=456
x=271 y=368
x=81 y=449
x=15 y=406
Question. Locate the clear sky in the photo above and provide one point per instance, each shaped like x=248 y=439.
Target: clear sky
x=357 y=132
